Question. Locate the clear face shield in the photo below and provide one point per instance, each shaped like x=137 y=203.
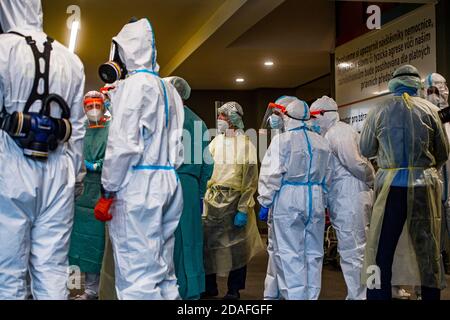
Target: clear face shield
x=273 y=118
x=95 y=112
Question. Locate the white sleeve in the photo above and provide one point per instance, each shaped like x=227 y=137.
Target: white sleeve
x=273 y=167
x=76 y=141
x=176 y=122
x=344 y=146
x=133 y=108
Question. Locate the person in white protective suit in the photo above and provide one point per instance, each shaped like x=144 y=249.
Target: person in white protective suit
x=139 y=181
x=437 y=93
x=295 y=175
x=350 y=196
x=36 y=196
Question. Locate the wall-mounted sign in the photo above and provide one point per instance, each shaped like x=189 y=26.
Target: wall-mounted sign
x=365 y=65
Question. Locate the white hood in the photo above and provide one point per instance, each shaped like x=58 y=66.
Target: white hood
x=136 y=46
x=328 y=119
x=21 y=14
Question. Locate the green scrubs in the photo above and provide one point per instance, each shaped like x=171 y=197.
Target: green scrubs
x=188 y=254
x=88 y=234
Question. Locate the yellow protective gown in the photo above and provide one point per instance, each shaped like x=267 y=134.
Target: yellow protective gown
x=230 y=190
x=407 y=137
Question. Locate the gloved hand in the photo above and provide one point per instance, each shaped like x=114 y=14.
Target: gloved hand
x=90 y=166
x=263 y=214
x=240 y=219
x=101 y=210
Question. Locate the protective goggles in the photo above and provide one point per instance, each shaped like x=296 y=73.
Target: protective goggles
x=93 y=102
x=277 y=108
x=316 y=113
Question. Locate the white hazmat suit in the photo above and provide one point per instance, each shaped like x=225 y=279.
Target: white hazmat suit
x=144 y=150
x=36 y=198
x=350 y=196
x=295 y=175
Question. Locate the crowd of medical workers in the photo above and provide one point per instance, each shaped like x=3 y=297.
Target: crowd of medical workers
x=113 y=183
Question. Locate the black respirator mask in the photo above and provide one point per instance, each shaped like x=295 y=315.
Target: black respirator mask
x=114 y=69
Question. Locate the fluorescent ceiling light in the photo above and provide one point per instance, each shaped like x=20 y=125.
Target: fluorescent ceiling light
x=240 y=80
x=73 y=35
x=268 y=63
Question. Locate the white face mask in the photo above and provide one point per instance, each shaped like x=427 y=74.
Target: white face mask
x=94 y=115
x=222 y=126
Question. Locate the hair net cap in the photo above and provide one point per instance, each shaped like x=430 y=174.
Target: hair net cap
x=295 y=107
x=434 y=78
x=234 y=112
x=406 y=76
x=94 y=95
x=182 y=87
x=324 y=103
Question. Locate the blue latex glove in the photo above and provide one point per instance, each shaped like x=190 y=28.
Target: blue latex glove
x=89 y=166
x=201 y=206
x=263 y=214
x=240 y=219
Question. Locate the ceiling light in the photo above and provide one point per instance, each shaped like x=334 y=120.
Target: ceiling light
x=268 y=63
x=240 y=80
x=73 y=35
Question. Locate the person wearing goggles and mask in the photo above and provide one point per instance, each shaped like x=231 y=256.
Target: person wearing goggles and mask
x=142 y=199
x=437 y=93
x=295 y=176
x=406 y=135
x=231 y=236
x=350 y=195
x=88 y=234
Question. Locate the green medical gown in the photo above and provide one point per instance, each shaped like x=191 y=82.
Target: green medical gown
x=88 y=234
x=194 y=175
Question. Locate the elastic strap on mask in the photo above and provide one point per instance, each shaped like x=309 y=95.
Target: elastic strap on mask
x=406 y=74
x=289 y=116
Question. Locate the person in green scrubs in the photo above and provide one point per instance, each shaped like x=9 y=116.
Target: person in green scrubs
x=88 y=234
x=194 y=175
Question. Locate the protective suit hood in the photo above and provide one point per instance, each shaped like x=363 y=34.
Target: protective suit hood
x=328 y=119
x=297 y=111
x=136 y=46
x=23 y=14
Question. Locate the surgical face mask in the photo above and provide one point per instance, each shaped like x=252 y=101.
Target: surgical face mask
x=275 y=122
x=222 y=126
x=443 y=90
x=94 y=115
x=315 y=127
x=438 y=97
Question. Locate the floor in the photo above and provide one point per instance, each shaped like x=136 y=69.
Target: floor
x=333 y=285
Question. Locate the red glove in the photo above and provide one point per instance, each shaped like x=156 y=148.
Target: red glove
x=101 y=210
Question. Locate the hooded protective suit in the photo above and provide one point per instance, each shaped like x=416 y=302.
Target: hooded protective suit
x=437 y=93
x=406 y=135
x=436 y=86
x=295 y=176
x=36 y=198
x=350 y=196
x=144 y=149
